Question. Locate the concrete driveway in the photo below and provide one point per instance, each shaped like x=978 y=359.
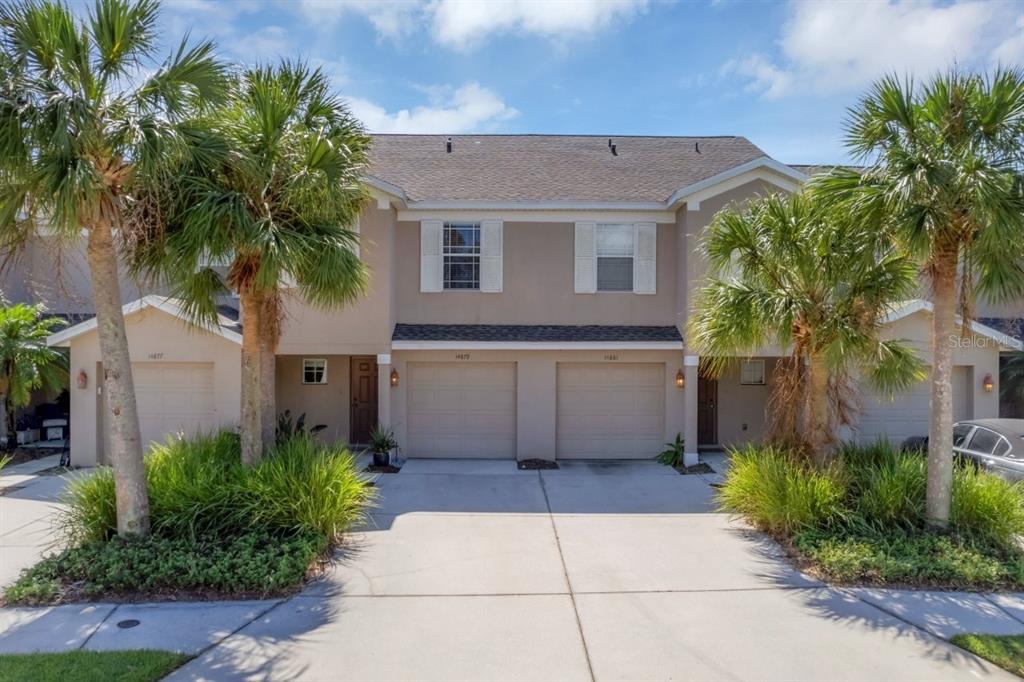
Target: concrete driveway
x=477 y=571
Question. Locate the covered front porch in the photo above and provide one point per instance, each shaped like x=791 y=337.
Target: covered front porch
x=340 y=392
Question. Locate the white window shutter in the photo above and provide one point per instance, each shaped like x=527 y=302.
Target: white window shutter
x=586 y=258
x=431 y=263
x=491 y=256
x=645 y=263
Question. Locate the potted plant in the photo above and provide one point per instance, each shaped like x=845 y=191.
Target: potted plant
x=383 y=442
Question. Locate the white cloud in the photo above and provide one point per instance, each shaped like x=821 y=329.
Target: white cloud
x=1011 y=50
x=262 y=45
x=391 y=18
x=466 y=109
x=831 y=47
x=463 y=24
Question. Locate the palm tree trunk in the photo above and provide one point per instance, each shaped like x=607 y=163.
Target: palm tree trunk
x=251 y=415
x=940 y=431
x=268 y=386
x=125 y=441
x=270 y=332
x=816 y=413
x=9 y=427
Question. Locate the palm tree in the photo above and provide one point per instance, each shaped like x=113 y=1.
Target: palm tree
x=793 y=271
x=81 y=123
x=273 y=193
x=944 y=177
x=26 y=362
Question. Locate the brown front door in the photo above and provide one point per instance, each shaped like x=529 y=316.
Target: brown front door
x=363 y=416
x=707 y=411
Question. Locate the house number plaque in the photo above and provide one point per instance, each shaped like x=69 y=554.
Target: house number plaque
x=462 y=356
x=611 y=356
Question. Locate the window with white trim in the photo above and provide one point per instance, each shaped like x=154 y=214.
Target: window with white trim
x=314 y=370
x=616 y=247
x=752 y=372
x=460 y=254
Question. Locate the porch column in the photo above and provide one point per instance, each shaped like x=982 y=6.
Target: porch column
x=690 y=365
x=384 y=389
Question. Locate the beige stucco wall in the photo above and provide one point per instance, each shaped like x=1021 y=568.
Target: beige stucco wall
x=322 y=404
x=538 y=284
x=55 y=272
x=742 y=408
x=977 y=352
x=364 y=327
x=153 y=336
x=536 y=389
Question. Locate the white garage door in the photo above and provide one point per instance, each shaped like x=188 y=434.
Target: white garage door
x=172 y=397
x=610 y=411
x=907 y=414
x=461 y=409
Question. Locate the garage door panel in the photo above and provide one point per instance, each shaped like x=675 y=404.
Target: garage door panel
x=908 y=413
x=461 y=410
x=173 y=398
x=610 y=410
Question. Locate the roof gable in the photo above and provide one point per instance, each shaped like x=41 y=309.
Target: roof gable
x=228 y=329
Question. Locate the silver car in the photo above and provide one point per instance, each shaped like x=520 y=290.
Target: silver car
x=993 y=445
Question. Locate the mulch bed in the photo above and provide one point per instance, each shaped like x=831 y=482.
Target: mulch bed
x=537 y=464
x=22 y=455
x=388 y=469
x=698 y=468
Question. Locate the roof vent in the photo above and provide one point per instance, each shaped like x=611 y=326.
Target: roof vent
x=696 y=147
x=611 y=146
x=448 y=146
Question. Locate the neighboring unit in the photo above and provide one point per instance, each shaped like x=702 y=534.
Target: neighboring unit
x=527 y=299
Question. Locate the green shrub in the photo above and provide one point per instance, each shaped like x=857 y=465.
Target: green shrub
x=303 y=488
x=780 y=493
x=252 y=563
x=887 y=486
x=987 y=506
x=198 y=488
x=672 y=455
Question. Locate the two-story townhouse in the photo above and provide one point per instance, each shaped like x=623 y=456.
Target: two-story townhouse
x=527 y=300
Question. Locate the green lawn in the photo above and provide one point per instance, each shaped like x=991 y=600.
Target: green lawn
x=90 y=666
x=1006 y=651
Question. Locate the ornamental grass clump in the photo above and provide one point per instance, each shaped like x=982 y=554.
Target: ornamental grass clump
x=781 y=493
x=198 y=488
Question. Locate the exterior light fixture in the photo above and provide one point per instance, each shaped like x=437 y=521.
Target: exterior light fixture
x=680 y=379
x=394 y=377
x=987 y=383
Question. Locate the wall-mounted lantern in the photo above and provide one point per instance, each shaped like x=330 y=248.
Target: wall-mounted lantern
x=987 y=383
x=680 y=379
x=394 y=377
x=82 y=379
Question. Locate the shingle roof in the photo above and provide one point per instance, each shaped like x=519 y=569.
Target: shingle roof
x=551 y=333
x=552 y=167
x=818 y=169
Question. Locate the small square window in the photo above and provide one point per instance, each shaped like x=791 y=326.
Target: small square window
x=314 y=371
x=752 y=372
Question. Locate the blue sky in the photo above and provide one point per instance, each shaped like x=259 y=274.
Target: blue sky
x=780 y=74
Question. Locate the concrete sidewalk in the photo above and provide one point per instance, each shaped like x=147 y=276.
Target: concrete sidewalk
x=592 y=572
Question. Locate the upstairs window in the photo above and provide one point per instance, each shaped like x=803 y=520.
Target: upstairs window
x=615 y=251
x=460 y=251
